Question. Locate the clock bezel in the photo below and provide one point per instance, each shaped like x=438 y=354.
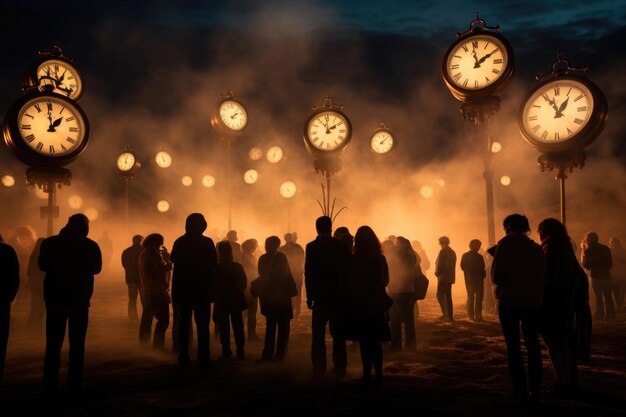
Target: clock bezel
x=494 y=89
x=217 y=122
x=308 y=143
x=585 y=136
x=30 y=79
x=14 y=140
x=393 y=137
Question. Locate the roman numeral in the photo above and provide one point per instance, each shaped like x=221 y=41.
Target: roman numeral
x=30 y=138
x=534 y=105
x=455 y=66
x=51 y=149
x=71 y=140
x=26 y=114
x=536 y=128
x=557 y=91
x=474 y=44
x=25 y=127
x=465 y=82
x=497 y=61
x=578 y=98
x=465 y=48
x=495 y=71
x=486 y=45
x=49 y=104
x=569 y=132
x=38 y=107
x=579 y=121
x=545 y=97
x=457 y=76
x=584 y=108
x=457 y=56
x=569 y=91
x=315 y=139
x=70 y=119
x=556 y=136
x=62 y=108
x=328 y=146
x=73 y=129
x=63 y=147
x=39 y=146
x=532 y=118
x=342 y=131
x=544 y=134
x=71 y=77
x=341 y=137
x=487 y=79
x=475 y=83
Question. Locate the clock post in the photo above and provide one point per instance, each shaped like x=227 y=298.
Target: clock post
x=126 y=166
x=48 y=179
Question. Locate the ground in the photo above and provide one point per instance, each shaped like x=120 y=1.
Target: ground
x=459 y=369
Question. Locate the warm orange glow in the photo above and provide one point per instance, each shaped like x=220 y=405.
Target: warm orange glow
x=251 y=176
x=496 y=147
x=255 y=154
x=274 y=154
x=163 y=159
x=163 y=206
x=208 y=181
x=288 y=189
x=8 y=180
x=505 y=180
x=91 y=213
x=427 y=191
x=75 y=202
x=187 y=181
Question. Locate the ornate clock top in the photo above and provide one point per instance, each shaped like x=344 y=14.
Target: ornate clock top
x=56 y=51
x=477 y=25
x=557 y=70
x=328 y=103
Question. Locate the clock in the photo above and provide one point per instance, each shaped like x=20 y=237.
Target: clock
x=327 y=131
x=126 y=161
x=382 y=141
x=255 y=154
x=57 y=71
x=163 y=159
x=46 y=129
x=562 y=113
x=479 y=64
x=208 y=181
x=288 y=189
x=251 y=176
x=274 y=154
x=163 y=206
x=229 y=116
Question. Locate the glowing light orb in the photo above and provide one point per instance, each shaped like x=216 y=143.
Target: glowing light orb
x=187 y=181
x=441 y=183
x=40 y=193
x=288 y=189
x=163 y=159
x=8 y=180
x=208 y=181
x=91 y=213
x=163 y=206
x=255 y=154
x=75 y=202
x=505 y=180
x=496 y=147
x=427 y=191
x=274 y=154
x=251 y=176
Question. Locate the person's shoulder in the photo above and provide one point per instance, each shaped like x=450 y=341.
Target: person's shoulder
x=6 y=248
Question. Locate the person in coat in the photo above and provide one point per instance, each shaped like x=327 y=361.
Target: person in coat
x=194 y=259
x=35 y=282
x=295 y=256
x=445 y=271
x=130 y=263
x=275 y=287
x=230 y=299
x=154 y=264
x=597 y=259
x=401 y=289
x=618 y=273
x=70 y=261
x=9 y=285
x=473 y=266
x=250 y=265
x=368 y=302
x=520 y=276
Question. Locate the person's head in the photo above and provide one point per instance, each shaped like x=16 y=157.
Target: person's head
x=366 y=241
x=403 y=243
x=137 y=239
x=78 y=224
x=341 y=231
x=231 y=236
x=224 y=252
x=288 y=238
x=516 y=223
x=249 y=246
x=444 y=241
x=387 y=247
x=551 y=228
x=272 y=244
x=294 y=237
x=615 y=243
x=195 y=224
x=152 y=242
x=475 y=245
x=343 y=235
x=592 y=238
x=417 y=245
x=324 y=225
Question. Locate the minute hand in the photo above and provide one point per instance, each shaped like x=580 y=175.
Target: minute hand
x=481 y=60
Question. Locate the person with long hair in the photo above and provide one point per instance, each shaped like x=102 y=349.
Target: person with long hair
x=250 y=265
x=369 y=303
x=402 y=291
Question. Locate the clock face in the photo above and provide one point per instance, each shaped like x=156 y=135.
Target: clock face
x=62 y=76
x=382 y=142
x=51 y=126
x=126 y=161
x=251 y=176
x=288 y=189
x=274 y=154
x=208 y=181
x=557 y=111
x=255 y=154
x=476 y=62
x=163 y=159
x=233 y=115
x=163 y=206
x=328 y=131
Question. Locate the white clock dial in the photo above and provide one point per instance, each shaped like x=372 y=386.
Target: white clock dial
x=255 y=154
x=163 y=206
x=557 y=111
x=251 y=176
x=163 y=159
x=51 y=126
x=233 y=115
x=288 y=189
x=477 y=62
x=274 y=154
x=382 y=142
x=126 y=161
x=208 y=181
x=62 y=76
x=328 y=131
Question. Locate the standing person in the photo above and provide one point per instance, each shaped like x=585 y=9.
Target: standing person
x=445 y=271
x=250 y=266
x=70 y=261
x=618 y=273
x=35 y=282
x=490 y=304
x=275 y=287
x=295 y=256
x=558 y=314
x=324 y=277
x=154 y=264
x=130 y=263
x=230 y=299
x=402 y=291
x=9 y=284
x=520 y=275
x=194 y=259
x=369 y=302
x=343 y=234
x=231 y=237
x=473 y=266
x=22 y=239
x=106 y=246
x=597 y=259
x=421 y=253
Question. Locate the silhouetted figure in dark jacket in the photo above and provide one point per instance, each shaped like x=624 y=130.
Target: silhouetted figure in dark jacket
x=401 y=289
x=597 y=259
x=343 y=234
x=618 y=272
x=251 y=265
x=473 y=266
x=70 y=260
x=231 y=237
x=275 y=287
x=130 y=263
x=35 y=282
x=9 y=284
x=295 y=256
x=194 y=259
x=325 y=280
x=445 y=271
x=230 y=299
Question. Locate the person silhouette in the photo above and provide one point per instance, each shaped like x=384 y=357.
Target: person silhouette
x=9 y=285
x=402 y=291
x=106 y=246
x=618 y=272
x=35 y=281
x=445 y=271
x=231 y=237
x=130 y=263
x=295 y=256
x=597 y=259
x=473 y=266
x=326 y=260
x=70 y=261
x=194 y=257
x=250 y=265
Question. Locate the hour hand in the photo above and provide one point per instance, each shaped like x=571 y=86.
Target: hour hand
x=481 y=60
x=562 y=107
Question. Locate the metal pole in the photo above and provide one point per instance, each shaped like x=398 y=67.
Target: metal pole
x=562 y=178
x=484 y=130
x=328 y=193
x=51 y=204
x=126 y=180
x=230 y=186
x=289 y=215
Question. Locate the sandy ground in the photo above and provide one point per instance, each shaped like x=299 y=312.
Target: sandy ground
x=459 y=369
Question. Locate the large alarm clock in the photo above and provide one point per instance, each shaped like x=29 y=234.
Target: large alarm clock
x=46 y=129
x=327 y=131
x=229 y=116
x=57 y=71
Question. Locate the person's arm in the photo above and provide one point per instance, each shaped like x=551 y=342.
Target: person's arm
x=96 y=260
x=464 y=260
x=481 y=266
x=13 y=268
x=439 y=263
x=309 y=276
x=44 y=256
x=385 y=272
x=498 y=266
x=586 y=260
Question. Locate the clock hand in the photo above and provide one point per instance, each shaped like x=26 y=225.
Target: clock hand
x=562 y=108
x=476 y=62
x=481 y=60
x=552 y=103
x=234 y=115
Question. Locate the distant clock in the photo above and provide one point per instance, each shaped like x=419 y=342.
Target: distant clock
x=288 y=189
x=126 y=161
x=229 y=116
x=163 y=159
x=274 y=154
x=46 y=129
x=327 y=131
x=382 y=141
x=251 y=176
x=57 y=71
x=562 y=113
